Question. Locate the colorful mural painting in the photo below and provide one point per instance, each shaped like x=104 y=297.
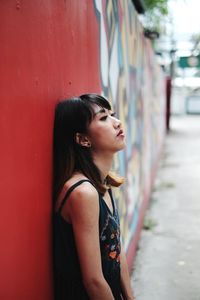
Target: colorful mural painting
x=132 y=80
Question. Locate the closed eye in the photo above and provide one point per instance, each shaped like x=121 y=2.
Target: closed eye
x=103 y=118
x=112 y=114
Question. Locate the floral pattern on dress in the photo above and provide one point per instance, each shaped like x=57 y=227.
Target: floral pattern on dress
x=110 y=237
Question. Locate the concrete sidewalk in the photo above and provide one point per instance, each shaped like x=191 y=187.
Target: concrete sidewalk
x=167 y=263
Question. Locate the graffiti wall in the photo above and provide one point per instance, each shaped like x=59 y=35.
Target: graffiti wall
x=132 y=80
x=52 y=50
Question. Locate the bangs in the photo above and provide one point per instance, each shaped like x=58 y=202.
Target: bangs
x=91 y=99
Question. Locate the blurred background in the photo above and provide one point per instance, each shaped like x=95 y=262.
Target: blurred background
x=174 y=27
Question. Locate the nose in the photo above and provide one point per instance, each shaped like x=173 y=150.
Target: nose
x=117 y=123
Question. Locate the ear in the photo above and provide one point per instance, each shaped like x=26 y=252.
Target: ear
x=82 y=140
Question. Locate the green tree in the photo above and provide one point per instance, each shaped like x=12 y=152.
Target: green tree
x=160 y=5
x=156 y=15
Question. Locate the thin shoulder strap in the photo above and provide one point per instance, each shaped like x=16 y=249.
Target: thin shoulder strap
x=70 y=190
x=111 y=197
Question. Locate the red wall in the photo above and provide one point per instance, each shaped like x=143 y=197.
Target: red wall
x=49 y=49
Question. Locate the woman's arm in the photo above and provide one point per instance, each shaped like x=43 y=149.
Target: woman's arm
x=84 y=215
x=125 y=278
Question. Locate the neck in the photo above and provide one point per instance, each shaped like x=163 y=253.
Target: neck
x=104 y=163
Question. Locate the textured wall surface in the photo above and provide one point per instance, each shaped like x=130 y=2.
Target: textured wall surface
x=132 y=80
x=49 y=50
x=55 y=49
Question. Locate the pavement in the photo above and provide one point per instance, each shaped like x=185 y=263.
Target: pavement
x=167 y=262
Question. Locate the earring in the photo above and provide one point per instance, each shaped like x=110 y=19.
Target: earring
x=88 y=144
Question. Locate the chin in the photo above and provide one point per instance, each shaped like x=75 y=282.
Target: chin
x=121 y=147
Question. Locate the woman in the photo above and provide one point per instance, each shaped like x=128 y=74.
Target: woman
x=88 y=260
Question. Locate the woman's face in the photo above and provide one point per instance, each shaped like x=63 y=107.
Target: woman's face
x=105 y=132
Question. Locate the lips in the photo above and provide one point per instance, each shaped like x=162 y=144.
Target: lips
x=120 y=132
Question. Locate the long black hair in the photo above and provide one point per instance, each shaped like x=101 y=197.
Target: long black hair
x=74 y=116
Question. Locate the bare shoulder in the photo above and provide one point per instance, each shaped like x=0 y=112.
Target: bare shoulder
x=85 y=188
x=83 y=205
x=84 y=193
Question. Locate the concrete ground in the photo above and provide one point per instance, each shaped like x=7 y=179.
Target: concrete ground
x=167 y=263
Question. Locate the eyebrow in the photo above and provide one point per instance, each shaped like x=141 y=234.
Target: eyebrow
x=102 y=110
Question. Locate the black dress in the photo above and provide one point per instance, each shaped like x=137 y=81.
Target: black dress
x=68 y=278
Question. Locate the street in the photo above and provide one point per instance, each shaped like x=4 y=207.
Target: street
x=167 y=263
